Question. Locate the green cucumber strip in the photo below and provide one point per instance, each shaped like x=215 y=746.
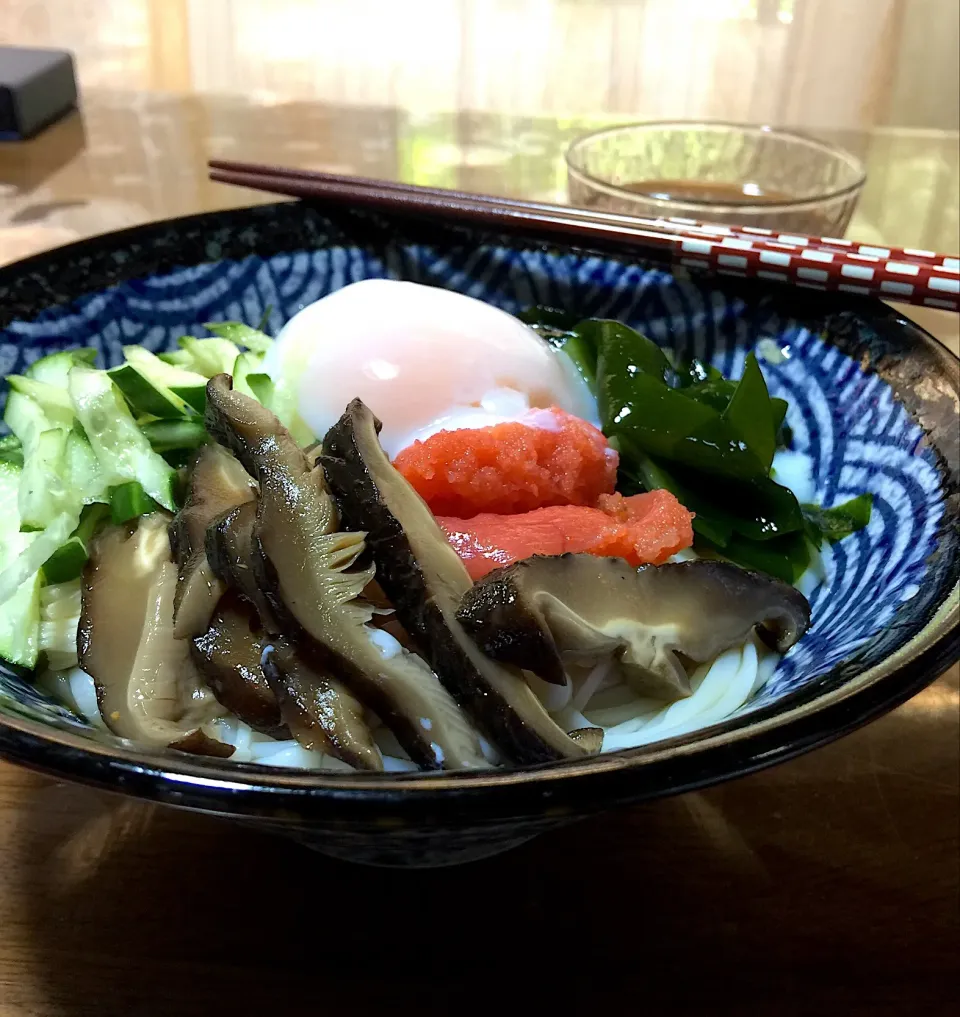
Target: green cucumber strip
x=54 y=401
x=166 y=435
x=25 y=419
x=90 y=520
x=45 y=491
x=172 y=376
x=146 y=395
x=129 y=501
x=179 y=458
x=123 y=451
x=31 y=559
x=20 y=612
x=11 y=450
x=283 y=402
x=10 y=476
x=195 y=396
x=84 y=472
x=262 y=387
x=245 y=365
x=67 y=562
x=179 y=358
x=242 y=335
x=210 y=356
x=69 y=559
x=55 y=368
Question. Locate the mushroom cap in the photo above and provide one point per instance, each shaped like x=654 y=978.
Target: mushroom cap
x=313 y=581
x=228 y=656
x=147 y=687
x=425 y=579
x=545 y=612
x=321 y=712
x=217 y=483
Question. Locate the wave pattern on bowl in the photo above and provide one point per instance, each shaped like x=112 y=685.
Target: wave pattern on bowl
x=848 y=420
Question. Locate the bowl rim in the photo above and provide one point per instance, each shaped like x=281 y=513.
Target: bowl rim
x=754 y=741
x=797 y=204
x=808 y=717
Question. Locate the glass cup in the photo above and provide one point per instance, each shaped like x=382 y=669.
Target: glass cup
x=740 y=174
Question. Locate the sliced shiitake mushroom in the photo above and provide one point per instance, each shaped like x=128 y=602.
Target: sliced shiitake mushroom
x=425 y=580
x=217 y=483
x=147 y=687
x=310 y=575
x=320 y=712
x=228 y=656
x=546 y=612
x=198 y=743
x=230 y=552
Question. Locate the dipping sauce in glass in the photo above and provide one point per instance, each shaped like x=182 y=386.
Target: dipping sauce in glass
x=742 y=174
x=717 y=192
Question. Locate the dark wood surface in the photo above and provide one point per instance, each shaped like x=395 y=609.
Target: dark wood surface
x=828 y=885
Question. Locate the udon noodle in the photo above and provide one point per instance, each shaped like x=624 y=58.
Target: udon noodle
x=719 y=688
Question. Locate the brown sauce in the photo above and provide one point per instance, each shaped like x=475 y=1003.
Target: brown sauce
x=718 y=192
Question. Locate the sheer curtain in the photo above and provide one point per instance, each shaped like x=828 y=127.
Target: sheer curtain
x=811 y=63
x=822 y=63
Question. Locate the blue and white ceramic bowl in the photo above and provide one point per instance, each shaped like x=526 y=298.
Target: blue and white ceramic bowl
x=874 y=402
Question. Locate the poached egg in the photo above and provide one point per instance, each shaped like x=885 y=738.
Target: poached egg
x=423 y=359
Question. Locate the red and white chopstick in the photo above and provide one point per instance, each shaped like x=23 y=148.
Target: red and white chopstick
x=896 y=273
x=817 y=263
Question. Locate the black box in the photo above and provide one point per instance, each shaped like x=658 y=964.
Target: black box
x=37 y=86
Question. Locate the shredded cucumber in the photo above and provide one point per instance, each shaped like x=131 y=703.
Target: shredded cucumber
x=25 y=419
x=242 y=335
x=281 y=399
x=54 y=369
x=129 y=501
x=179 y=358
x=20 y=612
x=210 y=356
x=45 y=491
x=167 y=435
x=244 y=366
x=121 y=448
x=11 y=450
x=59 y=619
x=77 y=455
x=148 y=396
x=84 y=471
x=189 y=386
x=54 y=401
x=67 y=562
x=10 y=475
x=18 y=569
x=19 y=588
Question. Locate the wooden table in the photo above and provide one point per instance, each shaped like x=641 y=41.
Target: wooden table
x=828 y=885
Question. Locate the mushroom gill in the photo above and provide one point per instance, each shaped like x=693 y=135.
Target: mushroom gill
x=312 y=578
x=544 y=613
x=425 y=580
